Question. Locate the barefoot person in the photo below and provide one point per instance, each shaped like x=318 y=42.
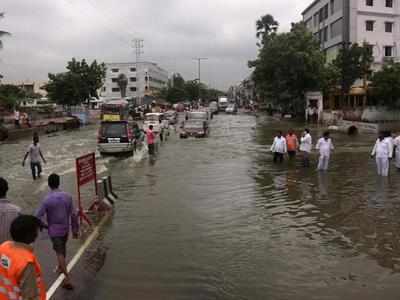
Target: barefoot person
x=150 y=139
x=325 y=146
x=305 y=147
x=35 y=154
x=382 y=152
x=292 y=144
x=60 y=214
x=279 y=148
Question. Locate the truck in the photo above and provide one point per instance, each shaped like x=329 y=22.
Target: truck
x=222 y=103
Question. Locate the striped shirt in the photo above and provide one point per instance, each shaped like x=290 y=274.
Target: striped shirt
x=8 y=212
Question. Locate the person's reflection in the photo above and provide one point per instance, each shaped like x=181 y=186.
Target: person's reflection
x=323 y=184
x=379 y=197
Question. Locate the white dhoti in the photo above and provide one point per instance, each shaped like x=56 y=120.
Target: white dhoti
x=397 y=161
x=382 y=165
x=323 y=163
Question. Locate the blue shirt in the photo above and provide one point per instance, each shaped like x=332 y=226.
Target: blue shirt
x=59 y=210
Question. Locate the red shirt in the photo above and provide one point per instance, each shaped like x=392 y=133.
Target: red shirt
x=150 y=136
x=291 y=141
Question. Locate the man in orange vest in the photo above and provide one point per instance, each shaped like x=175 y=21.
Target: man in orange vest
x=20 y=272
x=292 y=144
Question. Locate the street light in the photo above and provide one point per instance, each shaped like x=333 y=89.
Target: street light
x=199 y=59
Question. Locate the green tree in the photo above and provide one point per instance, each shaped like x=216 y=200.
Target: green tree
x=78 y=84
x=266 y=26
x=289 y=65
x=11 y=95
x=354 y=63
x=122 y=82
x=386 y=85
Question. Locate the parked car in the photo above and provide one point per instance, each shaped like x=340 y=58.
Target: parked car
x=231 y=109
x=115 y=137
x=194 y=128
x=153 y=119
x=171 y=116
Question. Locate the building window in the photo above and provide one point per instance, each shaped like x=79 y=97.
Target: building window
x=336 y=5
x=104 y=89
x=389 y=3
x=369 y=25
x=325 y=34
x=132 y=79
x=316 y=18
x=388 y=27
x=115 y=90
x=388 y=51
x=114 y=70
x=132 y=89
x=369 y=2
x=370 y=49
x=133 y=69
x=114 y=79
x=336 y=28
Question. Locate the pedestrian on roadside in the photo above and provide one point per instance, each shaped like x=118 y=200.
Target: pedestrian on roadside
x=305 y=147
x=383 y=153
x=20 y=270
x=279 y=148
x=60 y=215
x=397 y=152
x=17 y=117
x=325 y=146
x=292 y=144
x=8 y=211
x=35 y=154
x=150 y=139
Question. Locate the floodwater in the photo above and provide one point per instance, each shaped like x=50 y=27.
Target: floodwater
x=214 y=218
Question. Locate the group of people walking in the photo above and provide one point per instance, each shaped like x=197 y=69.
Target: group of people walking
x=20 y=272
x=384 y=150
x=290 y=144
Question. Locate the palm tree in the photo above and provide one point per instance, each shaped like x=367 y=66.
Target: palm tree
x=265 y=26
x=2 y=33
x=122 y=82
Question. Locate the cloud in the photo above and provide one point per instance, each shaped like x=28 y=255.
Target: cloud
x=47 y=33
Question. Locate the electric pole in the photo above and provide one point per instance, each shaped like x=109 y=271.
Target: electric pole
x=199 y=59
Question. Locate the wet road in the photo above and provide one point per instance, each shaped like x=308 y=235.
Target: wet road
x=215 y=219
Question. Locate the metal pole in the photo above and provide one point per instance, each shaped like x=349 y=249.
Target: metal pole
x=199 y=59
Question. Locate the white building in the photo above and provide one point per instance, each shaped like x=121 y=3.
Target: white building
x=144 y=79
x=339 y=22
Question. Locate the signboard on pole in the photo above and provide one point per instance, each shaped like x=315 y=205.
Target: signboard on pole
x=85 y=173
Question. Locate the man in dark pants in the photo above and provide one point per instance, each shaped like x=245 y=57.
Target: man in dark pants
x=150 y=139
x=61 y=215
x=35 y=154
x=279 y=147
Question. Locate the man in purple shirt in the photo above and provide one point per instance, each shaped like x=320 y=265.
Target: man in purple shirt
x=60 y=214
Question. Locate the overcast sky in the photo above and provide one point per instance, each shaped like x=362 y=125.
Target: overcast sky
x=47 y=33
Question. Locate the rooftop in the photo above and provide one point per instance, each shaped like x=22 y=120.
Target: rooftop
x=310 y=6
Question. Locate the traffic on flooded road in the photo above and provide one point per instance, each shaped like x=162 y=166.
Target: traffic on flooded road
x=216 y=218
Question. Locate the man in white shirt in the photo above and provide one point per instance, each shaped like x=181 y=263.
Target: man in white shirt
x=382 y=152
x=305 y=147
x=35 y=154
x=324 y=145
x=17 y=117
x=279 y=147
x=397 y=151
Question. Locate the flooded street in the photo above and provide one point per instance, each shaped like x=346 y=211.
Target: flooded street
x=214 y=218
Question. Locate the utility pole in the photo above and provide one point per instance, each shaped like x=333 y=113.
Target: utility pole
x=199 y=59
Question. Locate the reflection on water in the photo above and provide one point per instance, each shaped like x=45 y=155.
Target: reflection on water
x=215 y=219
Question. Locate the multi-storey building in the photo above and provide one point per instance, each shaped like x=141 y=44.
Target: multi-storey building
x=144 y=79
x=336 y=23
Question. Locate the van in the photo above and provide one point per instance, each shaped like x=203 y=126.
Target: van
x=115 y=137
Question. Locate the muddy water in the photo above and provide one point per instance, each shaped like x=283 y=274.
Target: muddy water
x=216 y=219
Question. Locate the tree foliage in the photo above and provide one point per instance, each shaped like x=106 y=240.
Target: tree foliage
x=288 y=65
x=10 y=95
x=78 y=84
x=353 y=63
x=386 y=85
x=179 y=90
x=266 y=27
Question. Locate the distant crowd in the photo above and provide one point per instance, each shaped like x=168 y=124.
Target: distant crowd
x=385 y=149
